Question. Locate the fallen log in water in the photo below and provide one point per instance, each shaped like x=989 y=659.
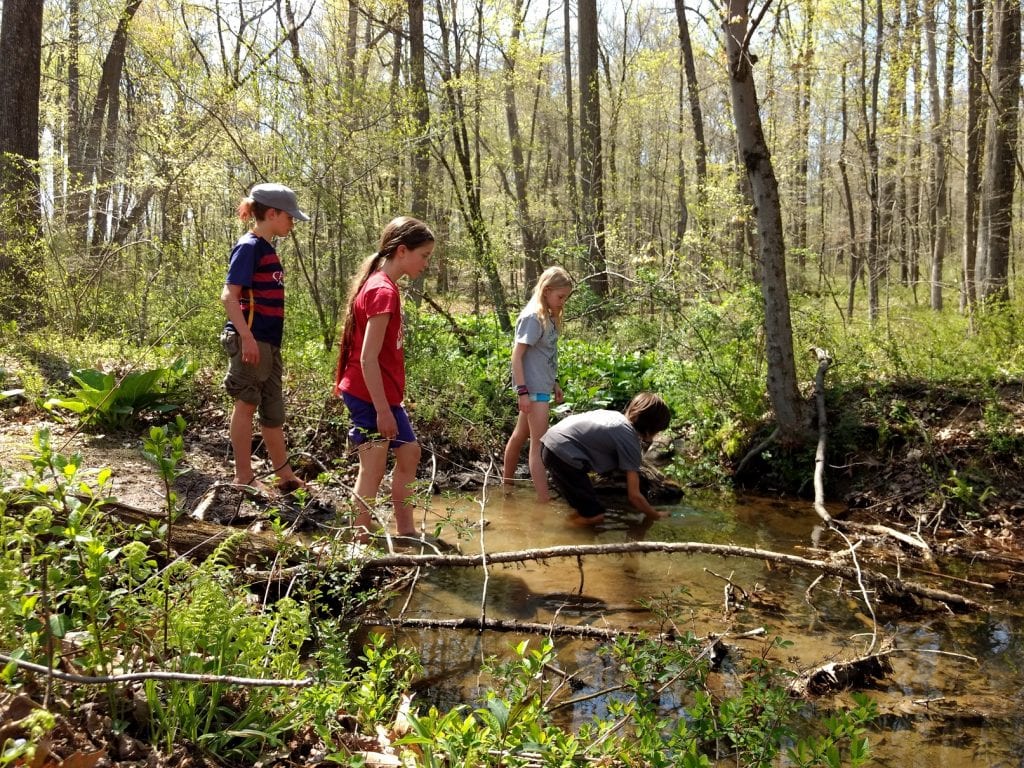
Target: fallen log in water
x=197 y=539
x=887 y=586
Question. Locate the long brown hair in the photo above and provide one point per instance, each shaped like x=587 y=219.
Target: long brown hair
x=552 y=278
x=403 y=230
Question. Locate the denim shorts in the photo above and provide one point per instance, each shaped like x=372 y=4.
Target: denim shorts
x=364 y=422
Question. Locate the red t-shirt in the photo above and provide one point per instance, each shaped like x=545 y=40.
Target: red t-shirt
x=378 y=296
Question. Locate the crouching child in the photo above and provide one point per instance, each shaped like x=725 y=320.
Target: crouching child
x=600 y=442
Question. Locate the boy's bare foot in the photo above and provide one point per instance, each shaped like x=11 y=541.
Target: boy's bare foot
x=579 y=520
x=253 y=489
x=287 y=485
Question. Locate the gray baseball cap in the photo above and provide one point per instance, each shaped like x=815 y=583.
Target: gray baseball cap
x=280 y=197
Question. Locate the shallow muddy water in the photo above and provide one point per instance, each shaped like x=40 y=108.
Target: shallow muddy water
x=954 y=695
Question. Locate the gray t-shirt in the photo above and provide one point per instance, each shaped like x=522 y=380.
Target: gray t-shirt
x=596 y=441
x=540 y=363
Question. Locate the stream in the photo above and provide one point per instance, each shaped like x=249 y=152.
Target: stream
x=954 y=695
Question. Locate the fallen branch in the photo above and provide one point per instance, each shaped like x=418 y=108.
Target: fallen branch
x=862 y=672
x=755 y=451
x=824 y=362
x=583 y=631
x=886 y=584
x=251 y=682
x=479 y=624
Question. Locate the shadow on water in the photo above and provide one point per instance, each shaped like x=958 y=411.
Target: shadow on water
x=954 y=694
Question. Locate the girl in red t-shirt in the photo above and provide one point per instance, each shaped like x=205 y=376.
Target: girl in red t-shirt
x=371 y=371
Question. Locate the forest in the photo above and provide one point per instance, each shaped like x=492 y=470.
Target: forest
x=797 y=220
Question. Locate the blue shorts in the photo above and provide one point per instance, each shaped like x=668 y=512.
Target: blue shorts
x=364 y=422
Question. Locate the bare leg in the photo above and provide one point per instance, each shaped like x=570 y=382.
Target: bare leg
x=241 y=443
x=513 y=448
x=373 y=461
x=274 y=439
x=407 y=458
x=538 y=418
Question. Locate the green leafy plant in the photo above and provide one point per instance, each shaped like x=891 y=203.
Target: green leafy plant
x=107 y=401
x=964 y=493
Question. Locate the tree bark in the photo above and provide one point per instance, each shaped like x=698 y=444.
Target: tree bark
x=531 y=243
x=700 y=151
x=591 y=160
x=21 y=30
x=894 y=126
x=851 y=215
x=571 y=161
x=869 y=107
x=973 y=137
x=791 y=415
x=420 y=181
x=465 y=179
x=102 y=130
x=1000 y=150
x=940 y=208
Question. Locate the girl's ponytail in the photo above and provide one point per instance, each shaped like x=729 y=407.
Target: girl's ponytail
x=403 y=230
x=348 y=329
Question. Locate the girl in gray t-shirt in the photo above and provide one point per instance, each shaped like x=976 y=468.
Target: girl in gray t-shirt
x=534 y=374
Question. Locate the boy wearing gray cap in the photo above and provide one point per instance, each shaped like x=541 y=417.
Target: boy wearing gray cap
x=253 y=298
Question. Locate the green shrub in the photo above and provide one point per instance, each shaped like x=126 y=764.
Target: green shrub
x=107 y=401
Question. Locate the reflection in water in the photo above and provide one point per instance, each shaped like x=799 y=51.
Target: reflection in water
x=947 y=669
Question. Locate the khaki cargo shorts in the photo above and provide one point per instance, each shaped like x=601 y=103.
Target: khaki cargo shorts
x=258 y=385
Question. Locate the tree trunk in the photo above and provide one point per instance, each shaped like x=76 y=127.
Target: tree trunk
x=591 y=171
x=692 y=100
x=465 y=180
x=21 y=31
x=913 y=188
x=104 y=126
x=869 y=107
x=419 y=184
x=940 y=215
x=894 y=126
x=851 y=216
x=531 y=243
x=1000 y=150
x=972 y=148
x=572 y=192
x=420 y=112
x=790 y=410
x=20 y=49
x=805 y=71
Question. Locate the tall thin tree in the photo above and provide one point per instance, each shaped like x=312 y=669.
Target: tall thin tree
x=791 y=415
x=973 y=141
x=21 y=30
x=1000 y=151
x=591 y=160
